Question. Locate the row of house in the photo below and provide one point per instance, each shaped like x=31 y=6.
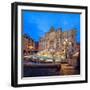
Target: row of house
x=28 y=44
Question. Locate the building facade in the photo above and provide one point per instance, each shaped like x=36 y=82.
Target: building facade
x=28 y=44
x=59 y=41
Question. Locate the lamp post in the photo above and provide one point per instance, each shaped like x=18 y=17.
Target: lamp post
x=66 y=43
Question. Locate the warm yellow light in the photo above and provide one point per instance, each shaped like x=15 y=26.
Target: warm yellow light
x=30 y=47
x=70 y=43
x=64 y=42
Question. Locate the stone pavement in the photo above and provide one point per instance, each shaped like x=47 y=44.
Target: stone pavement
x=67 y=69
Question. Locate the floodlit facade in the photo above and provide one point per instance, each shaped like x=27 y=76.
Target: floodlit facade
x=58 y=40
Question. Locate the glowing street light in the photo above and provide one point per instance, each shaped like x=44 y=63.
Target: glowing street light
x=30 y=47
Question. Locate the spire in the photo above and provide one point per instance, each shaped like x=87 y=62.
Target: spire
x=52 y=29
x=59 y=30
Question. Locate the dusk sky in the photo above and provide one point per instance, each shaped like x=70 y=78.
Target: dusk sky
x=36 y=24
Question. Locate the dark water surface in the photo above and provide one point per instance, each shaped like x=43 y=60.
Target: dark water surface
x=33 y=70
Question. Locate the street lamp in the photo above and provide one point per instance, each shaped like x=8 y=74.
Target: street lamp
x=66 y=42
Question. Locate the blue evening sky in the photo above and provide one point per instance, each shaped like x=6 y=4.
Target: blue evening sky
x=36 y=24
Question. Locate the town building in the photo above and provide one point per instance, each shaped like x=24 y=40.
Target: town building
x=59 y=41
x=56 y=39
x=28 y=44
